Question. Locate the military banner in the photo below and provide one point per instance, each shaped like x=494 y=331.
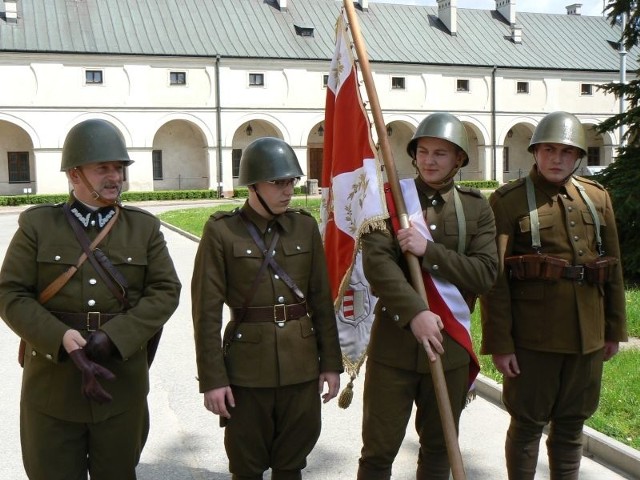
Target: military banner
x=352 y=200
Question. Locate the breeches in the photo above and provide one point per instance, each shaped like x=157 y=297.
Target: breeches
x=560 y=389
x=389 y=394
x=54 y=449
x=272 y=428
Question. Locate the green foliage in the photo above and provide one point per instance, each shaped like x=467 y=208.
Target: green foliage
x=479 y=184
x=622 y=177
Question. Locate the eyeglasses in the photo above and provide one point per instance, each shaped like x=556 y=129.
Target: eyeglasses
x=285 y=182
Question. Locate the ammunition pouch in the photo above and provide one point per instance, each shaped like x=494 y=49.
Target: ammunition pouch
x=546 y=267
x=535 y=266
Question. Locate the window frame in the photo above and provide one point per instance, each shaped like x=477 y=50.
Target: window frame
x=398 y=83
x=463 y=87
x=586 y=89
x=522 y=91
x=256 y=79
x=18 y=167
x=178 y=75
x=93 y=72
x=156 y=165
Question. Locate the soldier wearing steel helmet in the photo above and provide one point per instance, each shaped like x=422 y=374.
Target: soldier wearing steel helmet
x=463 y=252
x=557 y=311
x=85 y=382
x=265 y=375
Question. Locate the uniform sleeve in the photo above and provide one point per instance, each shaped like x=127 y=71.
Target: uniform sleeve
x=208 y=293
x=614 y=310
x=475 y=270
x=158 y=299
x=19 y=306
x=496 y=304
x=321 y=304
x=381 y=257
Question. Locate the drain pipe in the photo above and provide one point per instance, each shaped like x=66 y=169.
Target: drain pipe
x=219 y=126
x=493 y=122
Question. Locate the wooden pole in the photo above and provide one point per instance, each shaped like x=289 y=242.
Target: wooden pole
x=437 y=372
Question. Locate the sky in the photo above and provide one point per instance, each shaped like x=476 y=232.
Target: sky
x=589 y=7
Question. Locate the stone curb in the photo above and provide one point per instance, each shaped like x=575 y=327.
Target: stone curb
x=604 y=449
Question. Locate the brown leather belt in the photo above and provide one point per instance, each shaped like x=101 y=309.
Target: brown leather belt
x=88 y=321
x=274 y=313
x=573 y=272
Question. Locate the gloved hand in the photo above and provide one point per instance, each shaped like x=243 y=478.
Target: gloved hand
x=99 y=346
x=91 y=388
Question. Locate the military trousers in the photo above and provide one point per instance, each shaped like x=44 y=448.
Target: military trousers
x=561 y=390
x=272 y=428
x=389 y=395
x=55 y=449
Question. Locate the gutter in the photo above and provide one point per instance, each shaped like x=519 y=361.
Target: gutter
x=218 y=126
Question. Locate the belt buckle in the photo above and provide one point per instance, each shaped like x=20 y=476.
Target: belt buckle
x=580 y=274
x=280 y=322
x=90 y=316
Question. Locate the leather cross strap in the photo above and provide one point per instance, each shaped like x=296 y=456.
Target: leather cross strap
x=102 y=265
x=269 y=256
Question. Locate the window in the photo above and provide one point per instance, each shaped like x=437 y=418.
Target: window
x=522 y=87
x=156 y=158
x=325 y=81
x=236 y=153
x=462 y=85
x=505 y=159
x=19 y=167
x=256 y=79
x=177 y=78
x=586 y=89
x=397 y=83
x=93 y=77
x=593 y=156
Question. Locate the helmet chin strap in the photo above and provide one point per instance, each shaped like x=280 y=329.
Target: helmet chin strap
x=96 y=196
x=262 y=202
x=447 y=178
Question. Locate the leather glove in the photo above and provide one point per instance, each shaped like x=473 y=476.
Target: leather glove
x=99 y=346
x=91 y=388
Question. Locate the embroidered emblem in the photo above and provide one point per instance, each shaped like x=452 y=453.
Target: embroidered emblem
x=358 y=194
x=356 y=304
x=84 y=220
x=102 y=221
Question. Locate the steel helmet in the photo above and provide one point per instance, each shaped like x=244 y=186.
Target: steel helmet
x=560 y=127
x=93 y=141
x=268 y=158
x=441 y=125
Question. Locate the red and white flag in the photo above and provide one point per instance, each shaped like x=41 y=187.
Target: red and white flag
x=352 y=200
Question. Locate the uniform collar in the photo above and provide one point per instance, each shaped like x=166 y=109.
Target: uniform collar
x=91 y=217
x=261 y=223
x=549 y=189
x=440 y=195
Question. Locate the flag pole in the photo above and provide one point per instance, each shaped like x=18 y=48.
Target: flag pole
x=437 y=372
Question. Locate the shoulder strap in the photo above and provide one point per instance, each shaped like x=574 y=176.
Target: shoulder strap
x=533 y=215
x=462 y=221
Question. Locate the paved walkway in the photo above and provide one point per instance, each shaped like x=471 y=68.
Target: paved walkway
x=186 y=443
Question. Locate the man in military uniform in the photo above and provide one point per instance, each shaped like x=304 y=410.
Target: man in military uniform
x=557 y=311
x=406 y=335
x=85 y=381
x=266 y=262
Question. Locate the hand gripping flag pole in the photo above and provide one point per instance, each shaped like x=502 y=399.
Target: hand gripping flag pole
x=437 y=372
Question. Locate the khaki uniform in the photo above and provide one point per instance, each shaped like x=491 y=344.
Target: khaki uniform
x=265 y=363
x=556 y=328
x=398 y=368
x=43 y=247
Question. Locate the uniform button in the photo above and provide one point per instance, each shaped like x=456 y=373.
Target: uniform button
x=564 y=195
x=91 y=303
x=276 y=277
x=280 y=299
x=248 y=251
x=580 y=252
x=93 y=223
x=269 y=230
x=298 y=247
x=436 y=267
x=570 y=209
x=396 y=318
x=129 y=259
x=432 y=227
x=576 y=238
x=49 y=357
x=434 y=202
x=572 y=223
x=33 y=353
x=238 y=335
x=57 y=258
x=384 y=309
x=92 y=281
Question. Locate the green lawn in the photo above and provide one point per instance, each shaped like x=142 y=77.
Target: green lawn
x=617 y=415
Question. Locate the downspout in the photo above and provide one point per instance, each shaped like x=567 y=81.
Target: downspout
x=623 y=75
x=218 y=126
x=493 y=122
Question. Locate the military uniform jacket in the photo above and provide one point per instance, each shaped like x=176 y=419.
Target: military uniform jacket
x=564 y=316
x=392 y=341
x=42 y=248
x=262 y=354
